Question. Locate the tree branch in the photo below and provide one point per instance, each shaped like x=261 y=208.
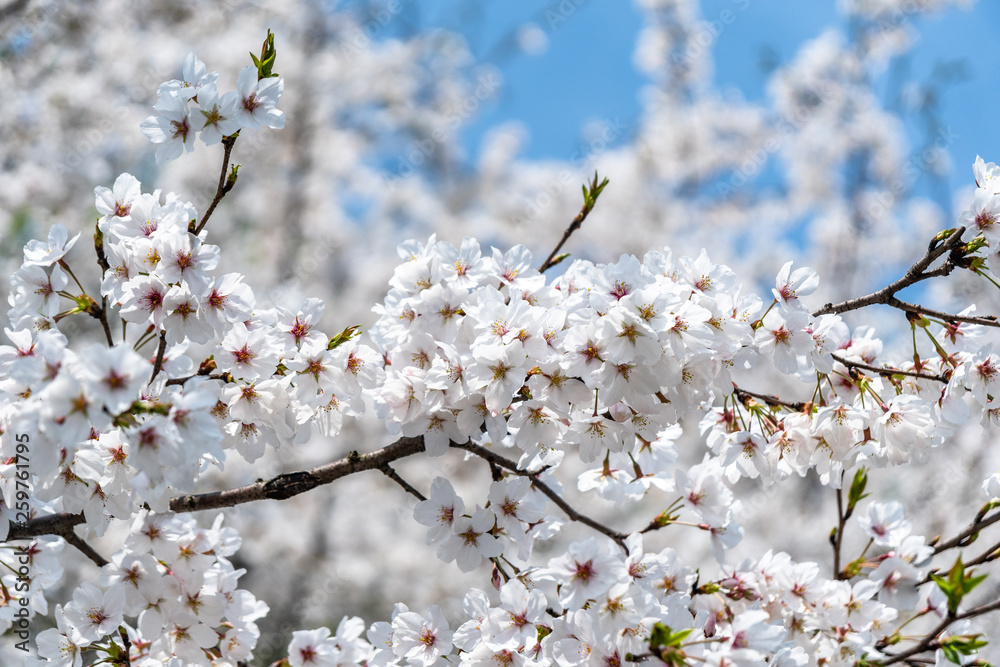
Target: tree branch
x=85 y=548
x=225 y=185
x=574 y=515
x=913 y=275
x=394 y=476
x=963 y=538
x=888 y=372
x=985 y=320
x=292 y=484
x=589 y=200
x=161 y=349
x=279 y=488
x=743 y=395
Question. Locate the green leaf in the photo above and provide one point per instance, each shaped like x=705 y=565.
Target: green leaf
x=344 y=336
x=663 y=636
x=265 y=63
x=961 y=645
x=957 y=584
x=857 y=492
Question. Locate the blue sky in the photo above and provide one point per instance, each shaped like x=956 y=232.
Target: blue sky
x=586 y=73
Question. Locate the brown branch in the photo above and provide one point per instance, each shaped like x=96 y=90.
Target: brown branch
x=394 y=476
x=574 y=515
x=888 y=372
x=743 y=395
x=931 y=641
x=916 y=273
x=985 y=320
x=225 y=185
x=279 y=488
x=161 y=349
x=55 y=524
x=838 y=541
x=928 y=643
x=84 y=548
x=293 y=483
x=962 y=539
x=589 y=200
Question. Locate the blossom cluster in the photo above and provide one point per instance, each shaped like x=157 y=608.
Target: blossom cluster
x=192 y=106
x=598 y=369
x=613 y=604
x=176 y=580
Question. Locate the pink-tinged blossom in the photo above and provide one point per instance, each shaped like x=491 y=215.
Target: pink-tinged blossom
x=464 y=267
x=256 y=100
x=535 y=422
x=247 y=354
x=116 y=202
x=218 y=114
x=188 y=640
x=194 y=77
x=983 y=217
x=582 y=573
x=471 y=541
x=790 y=285
x=298 y=330
x=704 y=276
x=23 y=361
x=781 y=334
x=421 y=639
x=987 y=175
x=183 y=257
x=34 y=290
x=521 y=611
x=885 y=523
x=113 y=375
x=171 y=128
x=596 y=436
x=185 y=319
x=227 y=302
x=47 y=253
x=312 y=648
x=438 y=430
x=703 y=489
x=57 y=644
x=980 y=374
x=628 y=338
x=93 y=614
x=511 y=267
x=898 y=580
x=498 y=373
x=512 y=505
x=906 y=430
x=439 y=511
x=143 y=300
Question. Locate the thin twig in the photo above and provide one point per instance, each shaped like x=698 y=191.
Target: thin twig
x=394 y=476
x=962 y=539
x=839 y=540
x=224 y=184
x=161 y=349
x=984 y=320
x=926 y=644
x=743 y=395
x=913 y=275
x=931 y=642
x=889 y=372
x=574 y=515
x=589 y=200
x=84 y=548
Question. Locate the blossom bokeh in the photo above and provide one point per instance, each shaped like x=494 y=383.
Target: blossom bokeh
x=401 y=123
